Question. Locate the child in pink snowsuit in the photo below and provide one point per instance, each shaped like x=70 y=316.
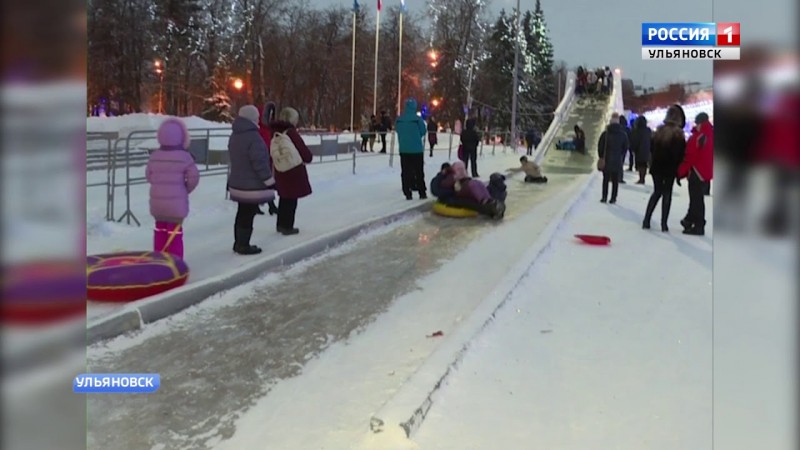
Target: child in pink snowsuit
x=173 y=175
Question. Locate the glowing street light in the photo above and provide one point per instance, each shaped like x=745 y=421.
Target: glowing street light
x=160 y=72
x=617 y=71
x=238 y=84
x=435 y=102
x=433 y=55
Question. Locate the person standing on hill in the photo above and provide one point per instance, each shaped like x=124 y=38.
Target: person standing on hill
x=611 y=148
x=411 y=130
x=628 y=152
x=385 y=127
x=669 y=146
x=470 y=140
x=698 y=166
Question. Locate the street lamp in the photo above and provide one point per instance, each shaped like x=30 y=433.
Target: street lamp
x=238 y=84
x=160 y=72
x=435 y=102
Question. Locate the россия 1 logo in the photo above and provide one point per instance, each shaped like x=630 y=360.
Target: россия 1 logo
x=691 y=40
x=116 y=383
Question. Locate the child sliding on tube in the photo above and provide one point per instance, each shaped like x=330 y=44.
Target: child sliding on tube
x=172 y=175
x=533 y=173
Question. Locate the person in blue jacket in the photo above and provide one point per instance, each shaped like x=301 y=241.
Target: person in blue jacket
x=411 y=130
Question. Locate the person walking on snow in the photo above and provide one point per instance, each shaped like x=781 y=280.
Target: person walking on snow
x=411 y=130
x=293 y=183
x=470 y=140
x=628 y=152
x=433 y=137
x=698 y=166
x=669 y=146
x=173 y=175
x=250 y=180
x=611 y=148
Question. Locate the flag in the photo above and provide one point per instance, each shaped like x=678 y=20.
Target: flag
x=356 y=6
x=379 y=5
x=403 y=6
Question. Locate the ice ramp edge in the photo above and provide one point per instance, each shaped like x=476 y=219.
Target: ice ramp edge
x=134 y=316
x=409 y=407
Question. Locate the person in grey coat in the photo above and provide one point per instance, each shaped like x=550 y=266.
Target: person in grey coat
x=250 y=180
x=611 y=147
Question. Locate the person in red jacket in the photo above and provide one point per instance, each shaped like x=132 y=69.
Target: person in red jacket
x=698 y=166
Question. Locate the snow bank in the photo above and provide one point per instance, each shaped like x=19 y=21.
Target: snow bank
x=126 y=124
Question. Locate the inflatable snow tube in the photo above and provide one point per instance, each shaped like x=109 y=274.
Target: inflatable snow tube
x=42 y=292
x=125 y=277
x=453 y=211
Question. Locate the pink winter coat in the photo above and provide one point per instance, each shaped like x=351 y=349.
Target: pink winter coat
x=172 y=173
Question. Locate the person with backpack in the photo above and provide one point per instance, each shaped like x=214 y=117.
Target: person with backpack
x=411 y=129
x=173 y=175
x=289 y=158
x=698 y=166
x=250 y=180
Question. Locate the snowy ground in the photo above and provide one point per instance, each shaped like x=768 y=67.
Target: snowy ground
x=599 y=347
x=340 y=199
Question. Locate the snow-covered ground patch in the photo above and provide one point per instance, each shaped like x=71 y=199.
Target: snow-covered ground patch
x=599 y=347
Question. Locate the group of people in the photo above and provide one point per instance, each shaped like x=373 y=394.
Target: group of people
x=267 y=155
x=577 y=143
x=668 y=156
x=594 y=82
x=371 y=128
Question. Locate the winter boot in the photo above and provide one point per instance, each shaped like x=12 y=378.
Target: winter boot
x=648 y=215
x=287 y=231
x=272 y=208
x=242 y=244
x=168 y=237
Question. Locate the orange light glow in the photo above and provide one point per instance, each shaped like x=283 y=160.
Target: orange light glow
x=238 y=84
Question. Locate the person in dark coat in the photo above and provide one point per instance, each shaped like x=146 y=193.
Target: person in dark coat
x=629 y=153
x=385 y=127
x=250 y=180
x=580 y=139
x=293 y=184
x=374 y=128
x=668 y=149
x=497 y=187
x=611 y=147
x=439 y=191
x=470 y=140
x=641 y=138
x=433 y=137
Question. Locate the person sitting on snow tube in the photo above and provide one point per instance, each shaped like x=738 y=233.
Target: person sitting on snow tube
x=497 y=187
x=443 y=187
x=533 y=173
x=443 y=194
x=473 y=190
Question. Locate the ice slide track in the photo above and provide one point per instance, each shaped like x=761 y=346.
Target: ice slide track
x=216 y=360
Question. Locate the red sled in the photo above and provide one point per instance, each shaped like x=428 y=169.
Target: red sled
x=593 y=239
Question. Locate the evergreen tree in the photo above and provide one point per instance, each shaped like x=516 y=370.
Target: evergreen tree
x=494 y=84
x=217 y=107
x=545 y=95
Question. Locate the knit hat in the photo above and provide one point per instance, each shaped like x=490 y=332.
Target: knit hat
x=250 y=113
x=701 y=118
x=459 y=170
x=172 y=133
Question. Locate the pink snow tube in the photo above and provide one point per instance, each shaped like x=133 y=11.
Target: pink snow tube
x=124 y=277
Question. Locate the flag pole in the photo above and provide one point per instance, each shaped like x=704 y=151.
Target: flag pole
x=377 y=43
x=400 y=66
x=353 y=76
